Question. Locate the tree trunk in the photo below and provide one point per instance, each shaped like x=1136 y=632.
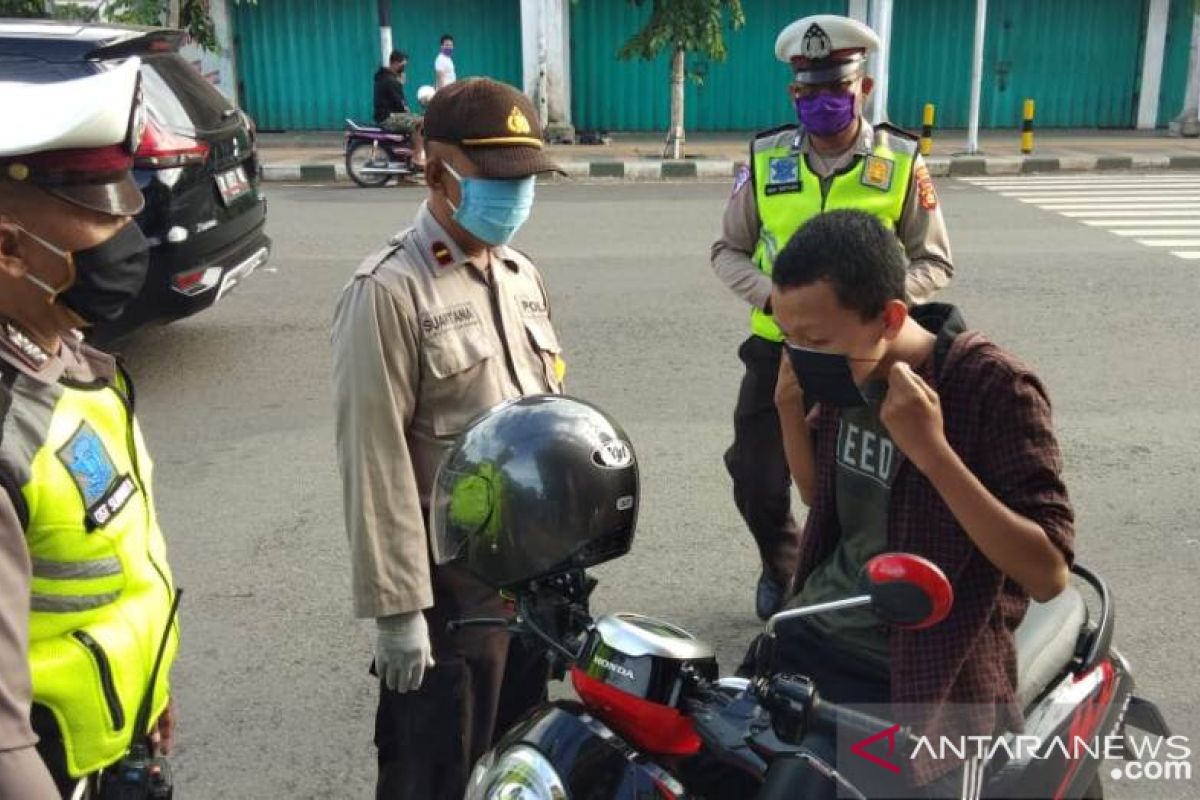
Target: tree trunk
x=675 y=135
x=1188 y=121
x=173 y=13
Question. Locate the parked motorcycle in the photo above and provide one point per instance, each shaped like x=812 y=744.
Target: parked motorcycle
x=650 y=698
x=375 y=156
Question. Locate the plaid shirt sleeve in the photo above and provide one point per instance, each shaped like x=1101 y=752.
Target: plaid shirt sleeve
x=1020 y=460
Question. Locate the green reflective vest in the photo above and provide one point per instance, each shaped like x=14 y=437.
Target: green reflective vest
x=73 y=459
x=788 y=194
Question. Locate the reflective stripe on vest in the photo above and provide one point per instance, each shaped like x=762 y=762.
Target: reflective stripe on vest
x=783 y=208
x=101 y=589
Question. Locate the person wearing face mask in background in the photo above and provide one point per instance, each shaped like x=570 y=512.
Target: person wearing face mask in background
x=87 y=595
x=442 y=324
x=925 y=438
x=834 y=159
x=443 y=65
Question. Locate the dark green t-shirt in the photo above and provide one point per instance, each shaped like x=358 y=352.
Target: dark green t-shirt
x=866 y=468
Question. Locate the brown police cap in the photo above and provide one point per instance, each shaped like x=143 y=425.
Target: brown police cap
x=495 y=125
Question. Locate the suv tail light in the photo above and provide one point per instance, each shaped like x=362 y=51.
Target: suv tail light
x=162 y=149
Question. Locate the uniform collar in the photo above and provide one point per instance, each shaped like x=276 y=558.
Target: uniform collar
x=863 y=145
x=440 y=254
x=75 y=360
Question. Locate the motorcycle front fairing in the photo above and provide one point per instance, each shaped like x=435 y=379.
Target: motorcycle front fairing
x=592 y=761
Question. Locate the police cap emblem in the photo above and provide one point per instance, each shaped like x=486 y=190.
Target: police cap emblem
x=816 y=43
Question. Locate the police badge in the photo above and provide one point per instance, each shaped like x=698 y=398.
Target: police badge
x=784 y=176
x=877 y=172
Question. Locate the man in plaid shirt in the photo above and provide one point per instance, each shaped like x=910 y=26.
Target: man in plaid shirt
x=925 y=438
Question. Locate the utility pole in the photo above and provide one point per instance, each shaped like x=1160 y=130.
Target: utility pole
x=976 y=76
x=1188 y=121
x=385 y=31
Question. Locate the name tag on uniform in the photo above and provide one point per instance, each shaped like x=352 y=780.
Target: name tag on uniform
x=444 y=320
x=784 y=175
x=533 y=307
x=877 y=172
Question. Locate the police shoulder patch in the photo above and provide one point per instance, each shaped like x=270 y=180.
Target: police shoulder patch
x=926 y=195
x=741 y=178
x=103 y=490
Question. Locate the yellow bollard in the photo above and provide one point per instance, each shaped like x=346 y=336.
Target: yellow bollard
x=1027 y=129
x=927 y=130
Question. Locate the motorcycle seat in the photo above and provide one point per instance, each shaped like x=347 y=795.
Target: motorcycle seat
x=1046 y=641
x=354 y=126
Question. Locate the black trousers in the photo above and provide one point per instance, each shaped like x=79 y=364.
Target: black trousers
x=51 y=748
x=757 y=464
x=484 y=682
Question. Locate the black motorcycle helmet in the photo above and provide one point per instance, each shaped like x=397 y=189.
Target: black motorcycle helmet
x=535 y=487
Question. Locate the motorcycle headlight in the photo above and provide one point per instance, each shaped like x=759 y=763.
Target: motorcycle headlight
x=519 y=773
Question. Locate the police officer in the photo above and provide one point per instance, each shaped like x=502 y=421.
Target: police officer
x=87 y=592
x=833 y=159
x=442 y=324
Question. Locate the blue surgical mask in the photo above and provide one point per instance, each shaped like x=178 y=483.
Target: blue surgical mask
x=493 y=209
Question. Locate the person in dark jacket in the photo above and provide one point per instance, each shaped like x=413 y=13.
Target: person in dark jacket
x=925 y=438
x=391 y=108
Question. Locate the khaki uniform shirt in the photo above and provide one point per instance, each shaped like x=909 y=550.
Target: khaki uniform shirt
x=21 y=773
x=423 y=341
x=921 y=229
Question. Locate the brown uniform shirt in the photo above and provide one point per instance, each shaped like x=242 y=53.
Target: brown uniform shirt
x=423 y=341
x=921 y=229
x=21 y=771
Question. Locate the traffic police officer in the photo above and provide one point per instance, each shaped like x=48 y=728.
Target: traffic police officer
x=87 y=592
x=444 y=323
x=833 y=159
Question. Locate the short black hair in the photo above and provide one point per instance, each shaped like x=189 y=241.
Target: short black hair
x=852 y=250
x=397 y=56
x=446 y=38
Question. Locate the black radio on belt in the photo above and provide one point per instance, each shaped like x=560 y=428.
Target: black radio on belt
x=137 y=776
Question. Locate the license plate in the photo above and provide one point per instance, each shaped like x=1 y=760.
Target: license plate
x=233 y=184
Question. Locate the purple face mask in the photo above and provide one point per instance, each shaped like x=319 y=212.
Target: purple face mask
x=826 y=114
x=447 y=51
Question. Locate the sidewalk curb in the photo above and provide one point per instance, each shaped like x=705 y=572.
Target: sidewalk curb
x=719 y=169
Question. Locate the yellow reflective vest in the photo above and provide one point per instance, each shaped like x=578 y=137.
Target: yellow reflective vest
x=788 y=194
x=73 y=460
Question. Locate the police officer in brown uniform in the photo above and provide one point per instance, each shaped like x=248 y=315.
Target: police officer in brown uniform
x=442 y=324
x=833 y=159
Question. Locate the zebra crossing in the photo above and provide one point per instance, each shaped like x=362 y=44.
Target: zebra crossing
x=1159 y=210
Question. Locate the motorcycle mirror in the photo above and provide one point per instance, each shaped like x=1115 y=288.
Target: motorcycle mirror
x=907 y=591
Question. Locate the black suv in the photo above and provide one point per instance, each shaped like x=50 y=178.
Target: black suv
x=197 y=164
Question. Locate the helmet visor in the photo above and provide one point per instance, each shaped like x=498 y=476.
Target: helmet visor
x=464 y=509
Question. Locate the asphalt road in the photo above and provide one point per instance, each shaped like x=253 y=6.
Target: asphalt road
x=272 y=683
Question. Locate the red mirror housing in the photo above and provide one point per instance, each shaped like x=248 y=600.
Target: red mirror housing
x=908 y=591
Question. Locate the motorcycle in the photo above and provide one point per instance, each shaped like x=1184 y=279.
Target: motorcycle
x=650 y=700
x=375 y=156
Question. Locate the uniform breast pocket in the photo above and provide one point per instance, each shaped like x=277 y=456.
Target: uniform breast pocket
x=459 y=382
x=546 y=346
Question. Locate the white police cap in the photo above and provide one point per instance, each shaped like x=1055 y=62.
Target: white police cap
x=76 y=138
x=825 y=47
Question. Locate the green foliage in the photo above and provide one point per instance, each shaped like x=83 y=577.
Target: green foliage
x=22 y=8
x=694 y=26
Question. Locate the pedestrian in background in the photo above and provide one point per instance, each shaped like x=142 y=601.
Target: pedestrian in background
x=443 y=65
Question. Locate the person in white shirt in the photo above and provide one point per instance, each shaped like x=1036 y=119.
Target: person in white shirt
x=443 y=65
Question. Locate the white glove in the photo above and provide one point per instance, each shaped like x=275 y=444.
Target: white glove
x=403 y=651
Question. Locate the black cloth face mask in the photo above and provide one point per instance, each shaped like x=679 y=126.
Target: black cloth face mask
x=107 y=277
x=825 y=378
